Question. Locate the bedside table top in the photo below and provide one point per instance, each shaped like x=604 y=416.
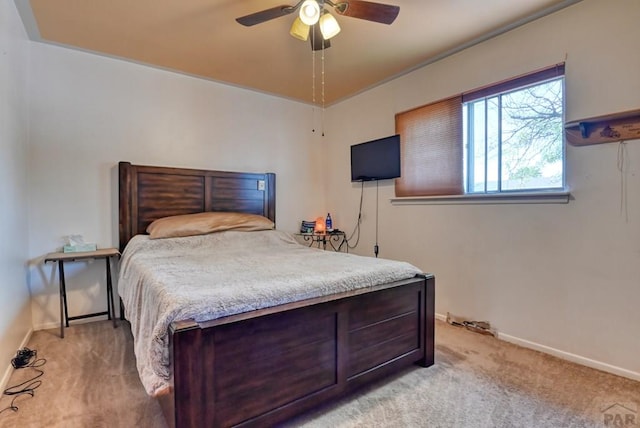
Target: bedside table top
x=97 y=254
x=336 y=233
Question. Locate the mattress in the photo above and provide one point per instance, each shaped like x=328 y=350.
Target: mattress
x=220 y=274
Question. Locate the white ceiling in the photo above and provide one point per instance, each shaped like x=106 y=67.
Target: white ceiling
x=202 y=38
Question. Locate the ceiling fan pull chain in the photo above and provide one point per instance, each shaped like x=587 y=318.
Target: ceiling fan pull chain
x=313 y=86
x=313 y=76
x=322 y=90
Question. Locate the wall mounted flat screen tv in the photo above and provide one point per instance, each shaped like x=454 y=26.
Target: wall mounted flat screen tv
x=376 y=160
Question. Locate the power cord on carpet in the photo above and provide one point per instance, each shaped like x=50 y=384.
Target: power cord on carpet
x=25 y=358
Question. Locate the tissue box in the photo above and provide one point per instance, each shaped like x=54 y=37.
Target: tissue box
x=79 y=248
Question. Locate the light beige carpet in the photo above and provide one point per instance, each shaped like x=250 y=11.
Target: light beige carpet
x=90 y=380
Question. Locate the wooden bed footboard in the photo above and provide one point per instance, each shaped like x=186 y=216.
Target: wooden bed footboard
x=264 y=367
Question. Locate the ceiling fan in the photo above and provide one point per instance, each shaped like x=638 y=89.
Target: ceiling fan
x=312 y=12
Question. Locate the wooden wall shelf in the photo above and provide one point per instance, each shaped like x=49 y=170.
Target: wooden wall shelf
x=604 y=129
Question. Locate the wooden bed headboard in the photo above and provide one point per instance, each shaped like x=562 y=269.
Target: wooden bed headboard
x=151 y=192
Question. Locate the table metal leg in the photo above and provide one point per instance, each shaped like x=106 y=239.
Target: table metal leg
x=111 y=310
x=64 y=320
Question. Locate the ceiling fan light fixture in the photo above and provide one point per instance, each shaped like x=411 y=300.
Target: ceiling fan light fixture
x=299 y=30
x=310 y=12
x=329 y=26
x=318 y=42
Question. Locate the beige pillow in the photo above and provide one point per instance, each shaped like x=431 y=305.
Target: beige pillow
x=207 y=222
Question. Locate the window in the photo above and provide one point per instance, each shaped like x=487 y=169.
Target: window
x=506 y=137
x=513 y=138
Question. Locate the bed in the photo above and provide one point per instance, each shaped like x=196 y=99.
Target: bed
x=265 y=365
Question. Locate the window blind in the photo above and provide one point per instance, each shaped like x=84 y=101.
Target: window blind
x=431 y=149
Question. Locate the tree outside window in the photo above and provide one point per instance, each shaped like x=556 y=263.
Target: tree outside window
x=514 y=140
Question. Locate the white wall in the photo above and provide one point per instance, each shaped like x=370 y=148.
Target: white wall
x=564 y=277
x=15 y=311
x=88 y=112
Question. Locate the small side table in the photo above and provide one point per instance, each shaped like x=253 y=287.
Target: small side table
x=335 y=239
x=105 y=253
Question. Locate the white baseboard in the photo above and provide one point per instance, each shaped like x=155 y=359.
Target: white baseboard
x=47 y=326
x=56 y=324
x=571 y=357
x=9 y=371
x=578 y=359
x=441 y=317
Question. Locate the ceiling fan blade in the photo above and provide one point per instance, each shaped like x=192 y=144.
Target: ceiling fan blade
x=265 y=15
x=377 y=12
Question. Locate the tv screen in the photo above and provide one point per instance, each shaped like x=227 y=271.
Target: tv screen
x=376 y=160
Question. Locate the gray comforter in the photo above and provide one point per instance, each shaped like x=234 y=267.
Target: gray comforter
x=211 y=276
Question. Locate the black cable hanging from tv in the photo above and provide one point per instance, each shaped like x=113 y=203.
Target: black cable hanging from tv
x=358 y=221
x=375 y=247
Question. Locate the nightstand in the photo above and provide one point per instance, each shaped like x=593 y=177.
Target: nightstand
x=61 y=258
x=336 y=240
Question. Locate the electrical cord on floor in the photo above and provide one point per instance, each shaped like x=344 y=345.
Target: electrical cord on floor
x=25 y=358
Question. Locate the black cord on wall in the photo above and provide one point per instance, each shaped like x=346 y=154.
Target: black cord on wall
x=357 y=227
x=375 y=247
